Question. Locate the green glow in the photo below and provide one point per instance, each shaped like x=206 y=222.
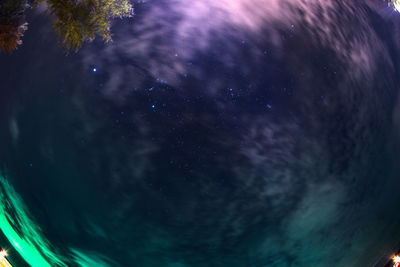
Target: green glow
x=88 y=260
x=22 y=232
x=28 y=239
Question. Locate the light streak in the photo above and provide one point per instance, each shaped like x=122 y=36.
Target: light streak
x=22 y=231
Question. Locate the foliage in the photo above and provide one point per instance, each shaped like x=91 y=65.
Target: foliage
x=78 y=21
x=12 y=24
x=10 y=7
x=10 y=37
x=75 y=21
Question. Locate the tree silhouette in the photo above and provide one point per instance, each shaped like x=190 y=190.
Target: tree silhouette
x=12 y=24
x=11 y=33
x=75 y=21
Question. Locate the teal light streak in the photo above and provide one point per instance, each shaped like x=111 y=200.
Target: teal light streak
x=22 y=232
x=27 y=238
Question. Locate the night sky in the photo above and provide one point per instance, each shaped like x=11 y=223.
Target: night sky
x=208 y=133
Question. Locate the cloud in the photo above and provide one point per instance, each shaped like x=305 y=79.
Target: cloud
x=219 y=170
x=170 y=39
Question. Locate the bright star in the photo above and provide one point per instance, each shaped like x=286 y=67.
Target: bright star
x=395 y=4
x=3 y=260
x=94 y=70
x=396 y=260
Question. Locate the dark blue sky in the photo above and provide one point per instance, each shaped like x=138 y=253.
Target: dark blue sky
x=209 y=135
